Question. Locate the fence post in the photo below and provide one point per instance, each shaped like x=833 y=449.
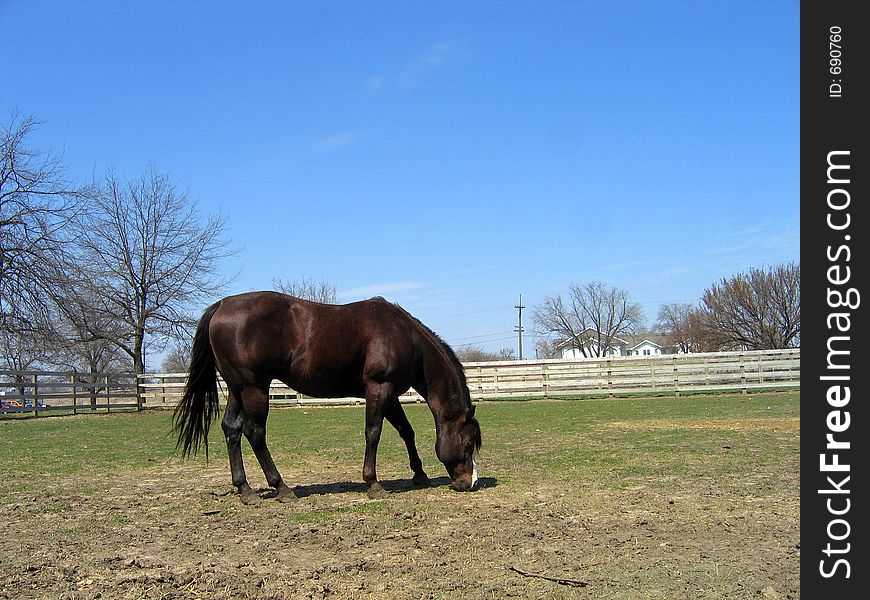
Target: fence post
x=35 y=395
x=73 y=383
x=545 y=380
x=93 y=382
x=480 y=380
x=676 y=378
x=108 y=395
x=742 y=373
x=609 y=378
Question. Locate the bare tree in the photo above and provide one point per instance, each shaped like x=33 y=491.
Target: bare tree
x=80 y=331
x=591 y=318
x=476 y=353
x=36 y=205
x=22 y=352
x=546 y=348
x=178 y=358
x=308 y=289
x=704 y=338
x=151 y=259
x=471 y=353
x=675 y=324
x=758 y=310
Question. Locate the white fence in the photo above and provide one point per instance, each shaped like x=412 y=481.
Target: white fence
x=43 y=392
x=674 y=374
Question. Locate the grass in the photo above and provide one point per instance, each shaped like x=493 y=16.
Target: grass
x=612 y=441
x=328 y=514
x=615 y=441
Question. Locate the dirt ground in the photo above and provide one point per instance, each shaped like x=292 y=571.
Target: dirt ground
x=717 y=523
x=178 y=532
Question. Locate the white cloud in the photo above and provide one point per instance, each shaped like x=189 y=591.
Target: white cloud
x=412 y=73
x=336 y=141
x=761 y=238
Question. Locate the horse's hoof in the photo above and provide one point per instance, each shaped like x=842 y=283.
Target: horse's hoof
x=285 y=497
x=250 y=499
x=421 y=481
x=377 y=492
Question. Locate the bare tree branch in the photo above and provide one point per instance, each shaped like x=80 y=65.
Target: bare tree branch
x=36 y=206
x=596 y=316
x=308 y=289
x=675 y=324
x=152 y=261
x=758 y=310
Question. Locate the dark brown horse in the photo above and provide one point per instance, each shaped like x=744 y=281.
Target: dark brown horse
x=370 y=349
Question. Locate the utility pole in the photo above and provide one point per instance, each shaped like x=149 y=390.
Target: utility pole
x=519 y=327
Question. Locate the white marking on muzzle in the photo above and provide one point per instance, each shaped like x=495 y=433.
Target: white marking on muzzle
x=474 y=469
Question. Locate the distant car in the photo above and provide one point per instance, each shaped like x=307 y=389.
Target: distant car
x=4 y=406
x=39 y=404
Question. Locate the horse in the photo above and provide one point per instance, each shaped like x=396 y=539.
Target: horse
x=371 y=349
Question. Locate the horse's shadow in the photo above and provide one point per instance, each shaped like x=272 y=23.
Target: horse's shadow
x=394 y=486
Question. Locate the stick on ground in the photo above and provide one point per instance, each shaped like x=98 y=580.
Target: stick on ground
x=560 y=580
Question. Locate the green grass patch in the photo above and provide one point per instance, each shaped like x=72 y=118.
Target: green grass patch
x=329 y=514
x=613 y=441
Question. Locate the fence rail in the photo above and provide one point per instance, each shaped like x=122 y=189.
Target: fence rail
x=636 y=375
x=42 y=391
x=49 y=391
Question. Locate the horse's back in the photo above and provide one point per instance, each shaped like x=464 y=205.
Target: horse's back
x=317 y=349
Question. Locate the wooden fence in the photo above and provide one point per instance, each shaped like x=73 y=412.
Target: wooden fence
x=51 y=391
x=675 y=374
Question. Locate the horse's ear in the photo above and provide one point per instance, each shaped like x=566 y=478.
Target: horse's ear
x=471 y=411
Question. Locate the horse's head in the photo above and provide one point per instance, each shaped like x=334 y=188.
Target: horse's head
x=457 y=445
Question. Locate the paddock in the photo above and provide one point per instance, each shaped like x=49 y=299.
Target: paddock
x=634 y=498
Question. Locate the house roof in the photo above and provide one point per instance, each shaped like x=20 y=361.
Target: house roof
x=617 y=341
x=645 y=341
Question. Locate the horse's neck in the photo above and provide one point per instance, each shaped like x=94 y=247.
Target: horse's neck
x=443 y=382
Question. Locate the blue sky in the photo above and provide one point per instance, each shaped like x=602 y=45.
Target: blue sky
x=448 y=156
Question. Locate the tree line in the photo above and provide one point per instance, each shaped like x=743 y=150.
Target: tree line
x=93 y=275
x=754 y=310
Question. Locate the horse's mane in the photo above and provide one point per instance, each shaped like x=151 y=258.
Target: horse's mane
x=446 y=350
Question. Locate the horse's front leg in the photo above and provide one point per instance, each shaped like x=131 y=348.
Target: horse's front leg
x=377 y=396
x=397 y=418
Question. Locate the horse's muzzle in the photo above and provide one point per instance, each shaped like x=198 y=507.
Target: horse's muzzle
x=463 y=484
x=465 y=481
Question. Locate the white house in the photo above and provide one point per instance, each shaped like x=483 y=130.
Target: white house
x=636 y=346
x=645 y=348
x=589 y=341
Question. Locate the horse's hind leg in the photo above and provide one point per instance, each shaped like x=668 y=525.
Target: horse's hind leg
x=232 y=426
x=255 y=402
x=396 y=416
x=377 y=397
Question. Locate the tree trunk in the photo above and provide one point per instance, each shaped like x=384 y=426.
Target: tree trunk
x=138 y=355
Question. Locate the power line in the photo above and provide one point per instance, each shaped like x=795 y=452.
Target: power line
x=501 y=339
x=480 y=338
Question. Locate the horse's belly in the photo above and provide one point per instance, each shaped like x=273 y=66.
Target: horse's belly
x=321 y=381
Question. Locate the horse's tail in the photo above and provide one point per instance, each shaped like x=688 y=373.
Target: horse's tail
x=199 y=405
